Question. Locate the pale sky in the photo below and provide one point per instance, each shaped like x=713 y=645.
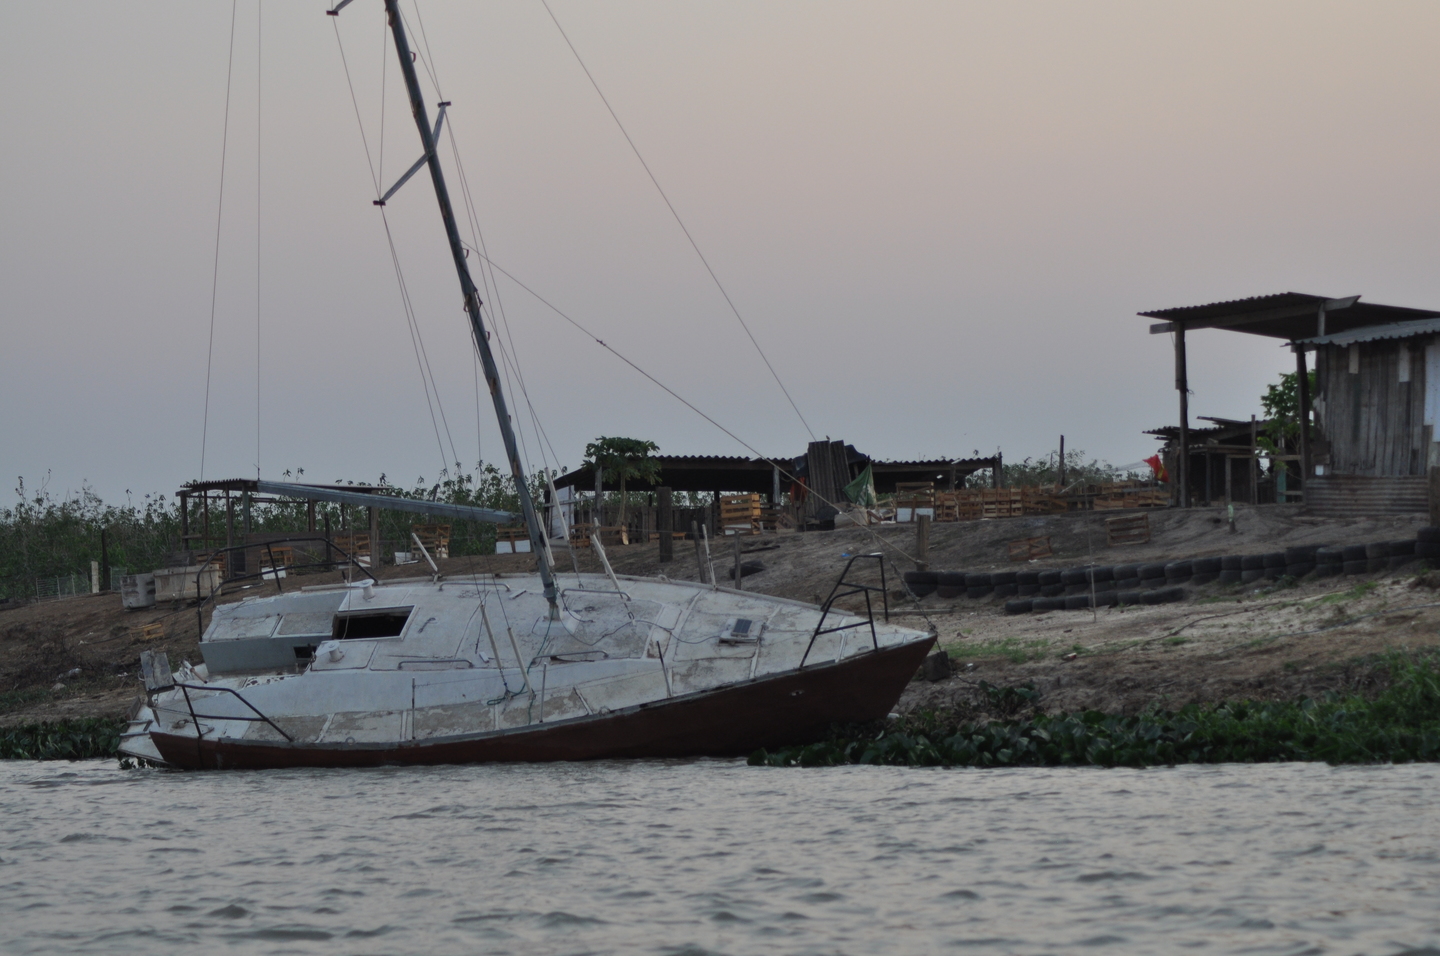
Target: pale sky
x=939 y=221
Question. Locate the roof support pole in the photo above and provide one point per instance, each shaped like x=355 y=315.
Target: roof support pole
x=1302 y=390
x=1182 y=385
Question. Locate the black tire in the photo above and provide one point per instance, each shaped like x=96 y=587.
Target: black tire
x=1003 y=577
x=1077 y=602
x=1123 y=572
x=1027 y=590
x=1353 y=552
x=1356 y=567
x=1020 y=606
x=1325 y=556
x=1023 y=578
x=1274 y=574
x=1329 y=570
x=1377 y=549
x=1152 y=571
x=1428 y=535
x=1107 y=585
x=1049 y=577
x=1042 y=604
x=1106 y=599
x=1400 y=560
x=921 y=583
x=1200 y=580
x=1103 y=573
x=949 y=592
x=1073 y=576
x=1052 y=591
x=950 y=579
x=1376 y=565
x=1402 y=549
x=1251 y=575
x=976 y=594
x=1230 y=577
x=1298 y=571
x=1232 y=562
x=1127 y=584
x=980 y=580
x=1006 y=590
x=1077 y=589
x=1252 y=562
x=1178 y=572
x=1129 y=597
x=1301 y=554
x=1430 y=550
x=1206 y=565
x=1273 y=559
x=1163 y=596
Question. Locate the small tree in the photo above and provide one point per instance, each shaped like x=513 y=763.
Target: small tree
x=1281 y=403
x=627 y=457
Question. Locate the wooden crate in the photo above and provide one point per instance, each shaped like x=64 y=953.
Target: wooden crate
x=1128 y=529
x=1002 y=503
x=509 y=539
x=148 y=632
x=354 y=545
x=1042 y=501
x=435 y=538
x=914 y=497
x=1028 y=549
x=740 y=514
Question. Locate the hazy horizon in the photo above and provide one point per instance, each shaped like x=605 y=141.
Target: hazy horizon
x=938 y=219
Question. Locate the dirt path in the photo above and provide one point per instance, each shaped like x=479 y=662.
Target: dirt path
x=78 y=657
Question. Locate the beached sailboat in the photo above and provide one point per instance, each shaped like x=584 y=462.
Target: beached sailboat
x=515 y=667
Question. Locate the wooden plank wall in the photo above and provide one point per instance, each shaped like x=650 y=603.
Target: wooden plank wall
x=1356 y=495
x=1374 y=423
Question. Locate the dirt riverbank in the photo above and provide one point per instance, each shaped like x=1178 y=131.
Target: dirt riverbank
x=78 y=657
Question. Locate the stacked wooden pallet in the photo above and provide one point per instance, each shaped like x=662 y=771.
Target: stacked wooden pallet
x=740 y=514
x=435 y=538
x=354 y=545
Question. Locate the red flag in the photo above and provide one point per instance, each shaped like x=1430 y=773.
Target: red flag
x=1158 y=466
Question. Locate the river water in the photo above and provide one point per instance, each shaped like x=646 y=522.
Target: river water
x=693 y=857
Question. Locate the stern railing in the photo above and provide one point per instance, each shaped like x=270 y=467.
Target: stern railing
x=852 y=588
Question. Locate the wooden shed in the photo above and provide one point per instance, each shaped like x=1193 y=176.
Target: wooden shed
x=1377 y=393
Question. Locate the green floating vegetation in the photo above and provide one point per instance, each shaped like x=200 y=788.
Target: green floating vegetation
x=1400 y=724
x=80 y=739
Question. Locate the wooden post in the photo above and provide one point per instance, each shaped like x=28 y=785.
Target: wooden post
x=1432 y=486
x=665 y=520
x=738 y=585
x=245 y=511
x=184 y=521
x=1062 y=463
x=1182 y=385
x=229 y=523
x=775 y=486
x=922 y=543
x=699 y=561
x=106 y=585
x=997 y=470
x=599 y=496
x=1254 y=461
x=374 y=540
x=205 y=515
x=1302 y=389
x=310 y=516
x=329 y=554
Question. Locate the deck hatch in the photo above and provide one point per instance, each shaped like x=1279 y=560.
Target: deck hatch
x=364 y=625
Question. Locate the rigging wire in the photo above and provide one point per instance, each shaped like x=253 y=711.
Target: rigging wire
x=417 y=340
x=681 y=223
x=259 y=77
x=219 y=212
x=785 y=470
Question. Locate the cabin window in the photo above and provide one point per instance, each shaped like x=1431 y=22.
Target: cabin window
x=360 y=625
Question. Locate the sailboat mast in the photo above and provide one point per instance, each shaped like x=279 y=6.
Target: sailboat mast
x=472 y=303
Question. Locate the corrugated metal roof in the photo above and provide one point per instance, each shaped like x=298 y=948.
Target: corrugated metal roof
x=1369 y=333
x=1258 y=303
x=1287 y=315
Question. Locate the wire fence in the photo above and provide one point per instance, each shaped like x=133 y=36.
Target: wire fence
x=54 y=587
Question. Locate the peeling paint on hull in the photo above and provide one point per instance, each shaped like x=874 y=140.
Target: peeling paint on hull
x=728 y=721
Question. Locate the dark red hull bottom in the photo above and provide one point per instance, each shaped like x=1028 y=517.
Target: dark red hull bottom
x=731 y=721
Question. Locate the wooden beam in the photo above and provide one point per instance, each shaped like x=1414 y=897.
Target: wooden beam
x=1182 y=385
x=1302 y=386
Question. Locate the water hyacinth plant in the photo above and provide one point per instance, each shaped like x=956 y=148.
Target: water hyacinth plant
x=1401 y=724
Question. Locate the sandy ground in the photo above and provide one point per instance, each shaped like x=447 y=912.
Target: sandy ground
x=79 y=657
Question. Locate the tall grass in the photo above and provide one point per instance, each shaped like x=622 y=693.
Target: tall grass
x=45 y=535
x=1398 y=725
